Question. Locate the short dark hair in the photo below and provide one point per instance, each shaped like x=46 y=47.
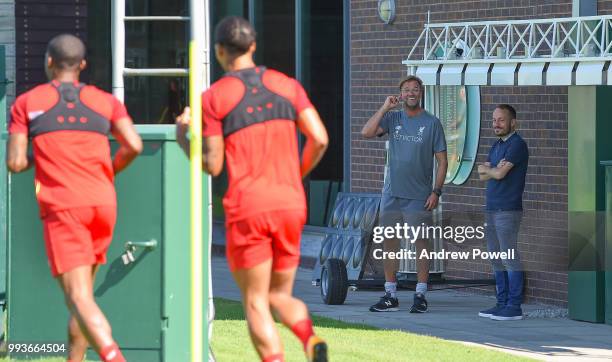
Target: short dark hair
x=235 y=34
x=66 y=50
x=411 y=78
x=508 y=108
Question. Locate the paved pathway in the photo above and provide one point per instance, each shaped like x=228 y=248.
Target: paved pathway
x=453 y=316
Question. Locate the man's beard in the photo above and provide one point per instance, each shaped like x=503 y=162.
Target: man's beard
x=505 y=132
x=415 y=106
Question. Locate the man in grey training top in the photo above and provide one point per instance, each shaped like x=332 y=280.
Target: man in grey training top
x=408 y=195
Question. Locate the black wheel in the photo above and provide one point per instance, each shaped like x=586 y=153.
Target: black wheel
x=334 y=282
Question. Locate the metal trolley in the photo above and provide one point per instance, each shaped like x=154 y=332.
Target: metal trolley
x=346 y=260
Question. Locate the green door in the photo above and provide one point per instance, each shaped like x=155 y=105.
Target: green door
x=608 y=243
x=130 y=295
x=36 y=311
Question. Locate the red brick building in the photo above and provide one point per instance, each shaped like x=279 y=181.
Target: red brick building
x=372 y=69
x=376 y=54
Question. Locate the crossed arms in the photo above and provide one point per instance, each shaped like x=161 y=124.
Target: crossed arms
x=486 y=172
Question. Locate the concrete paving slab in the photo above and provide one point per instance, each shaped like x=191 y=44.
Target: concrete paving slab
x=453 y=316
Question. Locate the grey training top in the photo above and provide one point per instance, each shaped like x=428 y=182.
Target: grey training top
x=412 y=144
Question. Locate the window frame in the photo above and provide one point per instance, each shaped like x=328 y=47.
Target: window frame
x=471 y=140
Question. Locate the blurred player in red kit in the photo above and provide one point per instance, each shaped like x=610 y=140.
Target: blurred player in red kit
x=250 y=117
x=68 y=124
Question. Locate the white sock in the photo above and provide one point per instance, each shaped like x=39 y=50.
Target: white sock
x=391 y=288
x=421 y=288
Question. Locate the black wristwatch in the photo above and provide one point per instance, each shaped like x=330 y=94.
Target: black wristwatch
x=437 y=191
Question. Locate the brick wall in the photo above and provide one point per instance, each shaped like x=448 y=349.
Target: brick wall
x=604 y=7
x=542 y=115
x=377 y=51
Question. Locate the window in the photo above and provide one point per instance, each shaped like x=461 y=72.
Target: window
x=148 y=44
x=458 y=108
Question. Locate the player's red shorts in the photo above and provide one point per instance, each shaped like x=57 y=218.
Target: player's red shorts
x=273 y=234
x=78 y=236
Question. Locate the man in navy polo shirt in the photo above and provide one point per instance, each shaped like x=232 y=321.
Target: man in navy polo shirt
x=505 y=172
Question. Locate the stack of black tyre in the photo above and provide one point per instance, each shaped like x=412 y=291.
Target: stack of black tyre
x=344 y=256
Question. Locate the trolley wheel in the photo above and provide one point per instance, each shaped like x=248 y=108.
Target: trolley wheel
x=334 y=282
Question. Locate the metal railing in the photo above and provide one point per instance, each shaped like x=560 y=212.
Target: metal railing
x=538 y=40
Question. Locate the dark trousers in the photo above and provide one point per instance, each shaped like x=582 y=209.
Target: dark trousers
x=502 y=235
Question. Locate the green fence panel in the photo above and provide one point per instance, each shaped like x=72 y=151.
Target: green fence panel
x=3 y=175
x=146 y=301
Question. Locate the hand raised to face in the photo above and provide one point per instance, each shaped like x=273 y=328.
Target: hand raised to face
x=391 y=102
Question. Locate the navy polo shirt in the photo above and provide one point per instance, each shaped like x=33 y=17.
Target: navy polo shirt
x=507 y=194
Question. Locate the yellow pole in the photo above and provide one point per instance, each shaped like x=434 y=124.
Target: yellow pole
x=199 y=342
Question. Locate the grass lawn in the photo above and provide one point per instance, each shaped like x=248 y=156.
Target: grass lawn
x=347 y=342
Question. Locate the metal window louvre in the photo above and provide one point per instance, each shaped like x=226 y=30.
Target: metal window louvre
x=476 y=74
x=559 y=74
x=451 y=74
x=531 y=74
x=428 y=74
x=503 y=74
x=589 y=73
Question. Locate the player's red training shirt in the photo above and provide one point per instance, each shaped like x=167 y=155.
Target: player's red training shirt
x=73 y=166
x=255 y=110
